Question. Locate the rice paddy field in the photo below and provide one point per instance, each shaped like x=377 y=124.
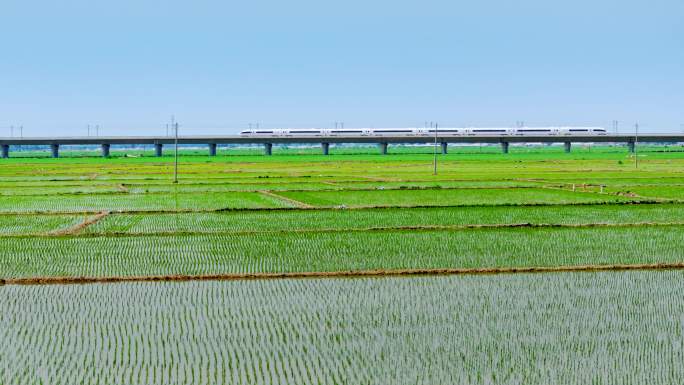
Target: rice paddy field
x=200 y=280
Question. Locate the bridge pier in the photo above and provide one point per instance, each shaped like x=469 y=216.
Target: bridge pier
x=158 y=149
x=212 y=149
x=105 y=149
x=383 y=148
x=567 y=146
x=326 y=148
x=444 y=147
x=504 y=147
x=55 y=150
x=5 y=151
x=268 y=148
x=630 y=146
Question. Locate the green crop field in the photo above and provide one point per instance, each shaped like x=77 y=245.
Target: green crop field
x=449 y=197
x=352 y=212
x=360 y=219
x=140 y=255
x=554 y=328
x=297 y=211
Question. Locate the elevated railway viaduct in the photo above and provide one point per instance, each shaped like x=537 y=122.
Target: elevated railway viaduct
x=382 y=141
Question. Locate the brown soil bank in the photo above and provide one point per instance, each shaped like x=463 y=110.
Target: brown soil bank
x=359 y=273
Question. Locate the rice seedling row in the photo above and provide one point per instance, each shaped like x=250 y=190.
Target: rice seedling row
x=296 y=220
x=337 y=251
x=36 y=224
x=662 y=192
x=447 y=197
x=571 y=328
x=229 y=187
x=135 y=202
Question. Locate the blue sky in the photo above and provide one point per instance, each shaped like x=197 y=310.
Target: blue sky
x=129 y=65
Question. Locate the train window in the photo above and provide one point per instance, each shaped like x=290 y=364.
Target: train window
x=346 y=131
x=393 y=130
x=444 y=131
x=534 y=130
x=489 y=130
x=578 y=130
x=263 y=132
x=305 y=132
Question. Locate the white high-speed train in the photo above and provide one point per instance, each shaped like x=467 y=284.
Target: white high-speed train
x=521 y=131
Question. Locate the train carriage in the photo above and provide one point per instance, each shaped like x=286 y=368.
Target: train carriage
x=408 y=132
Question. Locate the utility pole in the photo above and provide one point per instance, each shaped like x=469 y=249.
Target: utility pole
x=89 y=130
x=21 y=131
x=636 y=145
x=97 y=130
x=11 y=131
x=615 y=126
x=175 y=165
x=434 y=172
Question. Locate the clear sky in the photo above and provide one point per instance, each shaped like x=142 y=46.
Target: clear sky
x=129 y=65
